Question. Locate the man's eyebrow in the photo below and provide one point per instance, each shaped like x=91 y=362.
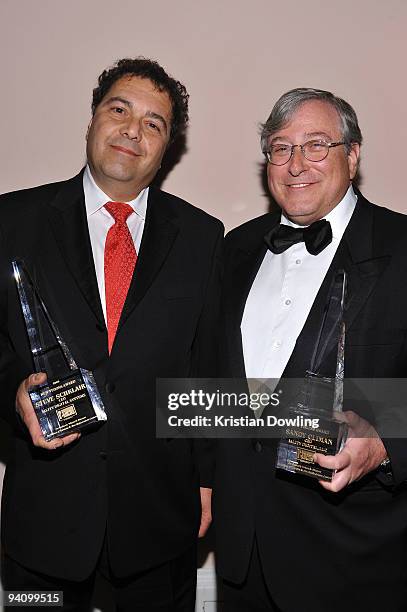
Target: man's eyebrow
x=160 y=118
x=150 y=114
x=316 y=134
x=306 y=135
x=118 y=99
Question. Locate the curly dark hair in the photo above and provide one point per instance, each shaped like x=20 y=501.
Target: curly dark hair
x=147 y=69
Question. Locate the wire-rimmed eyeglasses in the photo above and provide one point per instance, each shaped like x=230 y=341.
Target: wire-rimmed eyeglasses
x=314 y=150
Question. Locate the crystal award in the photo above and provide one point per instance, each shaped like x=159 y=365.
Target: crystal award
x=320 y=400
x=69 y=400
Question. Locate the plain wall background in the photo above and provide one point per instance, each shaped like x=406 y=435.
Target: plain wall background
x=236 y=58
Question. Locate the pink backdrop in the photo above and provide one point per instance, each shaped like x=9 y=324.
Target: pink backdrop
x=235 y=58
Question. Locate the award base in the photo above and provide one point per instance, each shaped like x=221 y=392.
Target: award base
x=67 y=405
x=298 y=444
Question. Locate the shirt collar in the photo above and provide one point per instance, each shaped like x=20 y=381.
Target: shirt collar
x=95 y=198
x=338 y=217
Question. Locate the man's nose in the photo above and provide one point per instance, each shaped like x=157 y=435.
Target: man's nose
x=298 y=162
x=132 y=129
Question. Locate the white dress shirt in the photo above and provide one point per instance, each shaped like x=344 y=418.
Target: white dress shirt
x=100 y=221
x=282 y=295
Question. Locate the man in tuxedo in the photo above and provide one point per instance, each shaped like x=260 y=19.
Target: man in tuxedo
x=288 y=542
x=130 y=275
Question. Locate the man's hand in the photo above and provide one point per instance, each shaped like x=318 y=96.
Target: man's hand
x=25 y=409
x=206 y=513
x=363 y=452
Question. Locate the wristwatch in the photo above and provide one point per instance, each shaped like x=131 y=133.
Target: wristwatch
x=385 y=467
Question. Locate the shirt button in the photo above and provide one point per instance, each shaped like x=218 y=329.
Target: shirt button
x=298 y=261
x=287 y=302
x=276 y=344
x=103 y=454
x=257 y=446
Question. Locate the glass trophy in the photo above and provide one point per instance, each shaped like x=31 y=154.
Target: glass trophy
x=69 y=400
x=319 y=402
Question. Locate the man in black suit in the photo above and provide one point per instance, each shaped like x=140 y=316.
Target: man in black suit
x=114 y=498
x=286 y=542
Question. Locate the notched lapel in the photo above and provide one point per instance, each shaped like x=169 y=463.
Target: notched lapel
x=245 y=264
x=362 y=278
x=245 y=268
x=67 y=215
x=362 y=258
x=160 y=231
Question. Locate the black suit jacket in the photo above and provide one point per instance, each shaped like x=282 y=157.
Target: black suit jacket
x=321 y=551
x=144 y=491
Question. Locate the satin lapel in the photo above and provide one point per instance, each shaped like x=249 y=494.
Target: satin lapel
x=362 y=256
x=67 y=215
x=243 y=268
x=160 y=231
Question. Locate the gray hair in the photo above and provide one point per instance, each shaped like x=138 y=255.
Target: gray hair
x=289 y=102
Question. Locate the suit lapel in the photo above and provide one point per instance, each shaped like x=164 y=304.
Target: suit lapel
x=67 y=215
x=363 y=257
x=160 y=231
x=245 y=264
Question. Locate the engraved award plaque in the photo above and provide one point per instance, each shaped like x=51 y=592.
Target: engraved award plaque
x=69 y=400
x=320 y=400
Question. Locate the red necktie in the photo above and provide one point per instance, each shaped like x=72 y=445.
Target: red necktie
x=120 y=259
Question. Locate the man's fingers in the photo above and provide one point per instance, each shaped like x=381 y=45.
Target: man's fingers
x=352 y=419
x=333 y=462
x=206 y=511
x=26 y=411
x=204 y=526
x=25 y=408
x=55 y=443
x=69 y=439
x=358 y=426
x=340 y=462
x=23 y=402
x=41 y=442
x=339 y=481
x=34 y=379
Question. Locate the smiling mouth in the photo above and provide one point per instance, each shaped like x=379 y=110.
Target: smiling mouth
x=299 y=185
x=124 y=150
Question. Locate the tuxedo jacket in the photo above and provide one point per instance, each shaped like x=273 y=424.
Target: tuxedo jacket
x=117 y=478
x=321 y=551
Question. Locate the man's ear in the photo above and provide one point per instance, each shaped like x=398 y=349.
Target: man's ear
x=89 y=126
x=353 y=159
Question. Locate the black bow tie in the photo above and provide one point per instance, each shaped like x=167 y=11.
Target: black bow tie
x=316 y=236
